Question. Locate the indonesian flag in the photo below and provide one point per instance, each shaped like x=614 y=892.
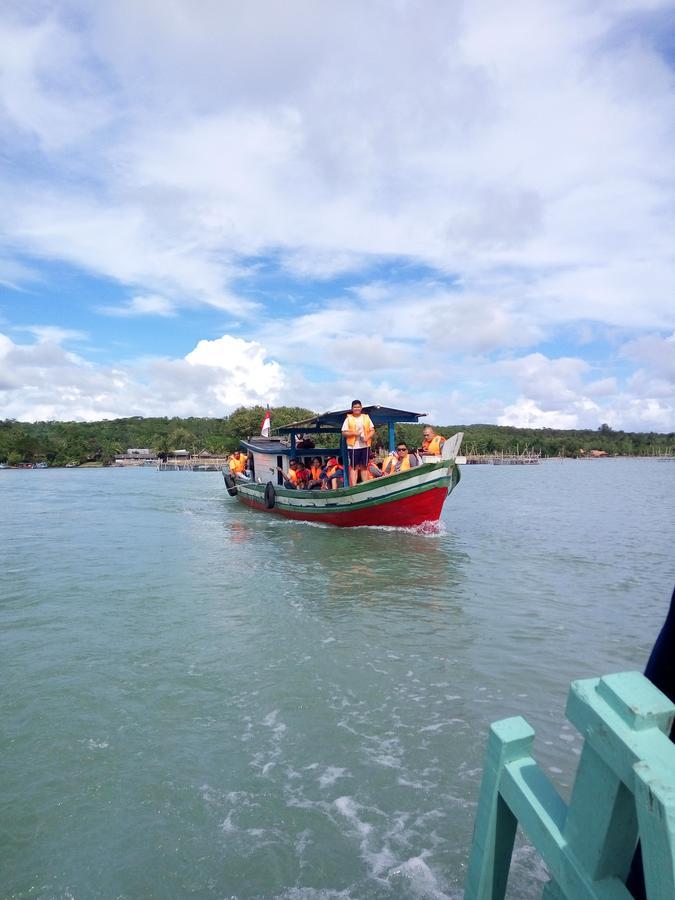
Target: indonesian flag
x=265 y=427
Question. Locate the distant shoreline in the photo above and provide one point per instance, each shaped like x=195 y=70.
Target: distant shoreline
x=98 y=444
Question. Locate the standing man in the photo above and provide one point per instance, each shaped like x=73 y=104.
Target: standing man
x=358 y=431
x=432 y=444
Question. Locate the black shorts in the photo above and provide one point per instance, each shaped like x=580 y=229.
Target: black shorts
x=358 y=459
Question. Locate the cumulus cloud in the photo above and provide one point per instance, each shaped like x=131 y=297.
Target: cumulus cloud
x=524 y=162
x=43 y=381
x=655 y=353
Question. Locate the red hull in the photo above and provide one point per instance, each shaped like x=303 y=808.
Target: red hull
x=404 y=513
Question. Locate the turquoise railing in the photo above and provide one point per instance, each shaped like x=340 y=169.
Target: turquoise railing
x=624 y=790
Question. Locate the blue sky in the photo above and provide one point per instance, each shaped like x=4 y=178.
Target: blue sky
x=428 y=205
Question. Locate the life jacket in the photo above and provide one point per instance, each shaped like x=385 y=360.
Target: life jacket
x=302 y=475
x=315 y=472
x=292 y=476
x=434 y=446
x=237 y=465
x=353 y=425
x=394 y=465
x=336 y=471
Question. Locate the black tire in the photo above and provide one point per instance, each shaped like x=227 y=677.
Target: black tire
x=229 y=484
x=270 y=495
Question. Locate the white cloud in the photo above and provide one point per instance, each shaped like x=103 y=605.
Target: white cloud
x=525 y=413
x=378 y=131
x=43 y=381
x=54 y=334
x=527 y=156
x=148 y=305
x=655 y=353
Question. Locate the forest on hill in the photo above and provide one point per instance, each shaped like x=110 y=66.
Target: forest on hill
x=79 y=443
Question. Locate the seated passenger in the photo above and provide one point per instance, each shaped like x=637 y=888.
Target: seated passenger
x=303 y=475
x=373 y=469
x=400 y=461
x=289 y=477
x=315 y=470
x=432 y=445
x=237 y=463
x=296 y=476
x=335 y=473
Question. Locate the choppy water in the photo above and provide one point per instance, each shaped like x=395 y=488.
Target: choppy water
x=199 y=700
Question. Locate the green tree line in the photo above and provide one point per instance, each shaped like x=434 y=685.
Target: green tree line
x=78 y=443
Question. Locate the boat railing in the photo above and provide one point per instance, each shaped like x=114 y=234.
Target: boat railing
x=624 y=791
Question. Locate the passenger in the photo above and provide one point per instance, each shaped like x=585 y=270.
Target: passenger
x=400 y=461
x=358 y=430
x=237 y=463
x=335 y=473
x=432 y=445
x=373 y=469
x=295 y=477
x=303 y=475
x=289 y=482
x=315 y=471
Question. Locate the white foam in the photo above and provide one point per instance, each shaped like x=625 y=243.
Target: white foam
x=227 y=825
x=271 y=718
x=349 y=809
x=422 y=881
x=330 y=776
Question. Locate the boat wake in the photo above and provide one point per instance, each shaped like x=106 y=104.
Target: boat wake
x=431 y=529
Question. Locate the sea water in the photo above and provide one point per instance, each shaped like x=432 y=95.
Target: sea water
x=200 y=700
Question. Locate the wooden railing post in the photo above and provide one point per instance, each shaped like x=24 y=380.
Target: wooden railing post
x=624 y=789
x=495 y=828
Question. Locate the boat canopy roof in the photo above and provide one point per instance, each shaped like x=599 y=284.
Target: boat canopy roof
x=331 y=422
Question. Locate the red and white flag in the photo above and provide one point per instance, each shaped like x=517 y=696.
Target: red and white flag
x=265 y=427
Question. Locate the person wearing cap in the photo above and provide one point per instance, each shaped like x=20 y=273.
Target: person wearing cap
x=432 y=445
x=373 y=469
x=335 y=473
x=358 y=430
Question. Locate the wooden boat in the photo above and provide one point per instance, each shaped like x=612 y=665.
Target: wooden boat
x=407 y=499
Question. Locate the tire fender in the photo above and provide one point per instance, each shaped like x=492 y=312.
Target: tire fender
x=229 y=484
x=270 y=495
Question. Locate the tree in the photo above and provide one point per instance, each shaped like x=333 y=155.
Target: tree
x=161 y=445
x=181 y=439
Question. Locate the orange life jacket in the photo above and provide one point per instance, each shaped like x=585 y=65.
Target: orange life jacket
x=353 y=425
x=335 y=471
x=392 y=464
x=237 y=465
x=292 y=476
x=303 y=476
x=316 y=472
x=434 y=446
